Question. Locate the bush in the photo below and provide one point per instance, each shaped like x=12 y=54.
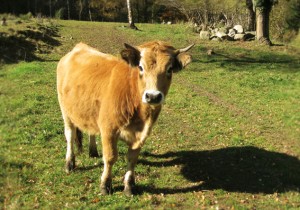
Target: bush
x=285 y=20
x=289 y=35
x=293 y=17
x=59 y=14
x=27 y=16
x=296 y=41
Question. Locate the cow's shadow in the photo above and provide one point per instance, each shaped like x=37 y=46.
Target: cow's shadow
x=234 y=169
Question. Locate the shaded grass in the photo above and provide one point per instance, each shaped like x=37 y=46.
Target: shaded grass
x=28 y=41
x=228 y=135
x=233 y=169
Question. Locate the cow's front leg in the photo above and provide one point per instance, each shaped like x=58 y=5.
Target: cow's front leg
x=110 y=156
x=129 y=180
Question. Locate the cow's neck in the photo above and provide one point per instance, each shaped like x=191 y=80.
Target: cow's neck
x=150 y=112
x=144 y=117
x=144 y=122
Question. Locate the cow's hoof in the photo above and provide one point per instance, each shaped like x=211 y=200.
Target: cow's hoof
x=128 y=191
x=129 y=188
x=94 y=153
x=70 y=165
x=106 y=188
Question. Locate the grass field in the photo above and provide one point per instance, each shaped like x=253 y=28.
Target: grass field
x=228 y=136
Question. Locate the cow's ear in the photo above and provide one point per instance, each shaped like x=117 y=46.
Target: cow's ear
x=182 y=58
x=131 y=55
x=181 y=61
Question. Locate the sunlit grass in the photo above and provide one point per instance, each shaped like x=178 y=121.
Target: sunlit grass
x=228 y=135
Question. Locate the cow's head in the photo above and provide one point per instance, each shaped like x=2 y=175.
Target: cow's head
x=155 y=63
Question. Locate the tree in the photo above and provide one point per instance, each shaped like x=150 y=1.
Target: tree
x=80 y=9
x=293 y=17
x=68 y=8
x=50 y=8
x=263 y=9
x=251 y=15
x=130 y=18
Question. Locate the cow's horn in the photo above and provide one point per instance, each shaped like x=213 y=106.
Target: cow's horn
x=185 y=49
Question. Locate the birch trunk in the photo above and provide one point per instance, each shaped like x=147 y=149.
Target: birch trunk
x=130 y=19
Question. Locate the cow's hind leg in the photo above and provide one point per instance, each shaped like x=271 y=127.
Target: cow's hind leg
x=110 y=156
x=93 y=152
x=78 y=140
x=129 y=180
x=70 y=134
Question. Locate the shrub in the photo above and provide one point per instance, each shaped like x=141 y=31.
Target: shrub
x=59 y=14
x=27 y=16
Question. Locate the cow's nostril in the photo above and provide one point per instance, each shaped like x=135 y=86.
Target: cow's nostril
x=158 y=98
x=148 y=97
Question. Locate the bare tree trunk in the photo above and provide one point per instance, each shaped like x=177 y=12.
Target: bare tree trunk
x=262 y=25
x=138 y=11
x=251 y=15
x=130 y=19
x=152 y=13
x=80 y=9
x=68 y=8
x=89 y=9
x=28 y=6
x=35 y=7
x=50 y=8
x=251 y=20
x=206 y=14
x=90 y=14
x=145 y=11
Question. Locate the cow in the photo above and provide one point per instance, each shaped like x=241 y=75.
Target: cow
x=118 y=98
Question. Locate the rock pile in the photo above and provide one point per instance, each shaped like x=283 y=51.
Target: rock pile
x=230 y=34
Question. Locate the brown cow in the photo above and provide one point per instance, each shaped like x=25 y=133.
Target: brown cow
x=117 y=98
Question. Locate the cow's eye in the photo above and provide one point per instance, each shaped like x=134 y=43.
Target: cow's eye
x=169 y=72
x=141 y=70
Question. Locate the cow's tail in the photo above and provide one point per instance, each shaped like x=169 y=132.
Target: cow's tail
x=78 y=140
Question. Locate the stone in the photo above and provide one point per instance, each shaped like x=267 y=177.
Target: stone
x=239 y=36
x=224 y=30
x=215 y=38
x=210 y=52
x=249 y=37
x=221 y=34
x=231 y=32
x=239 y=29
x=251 y=32
x=204 y=35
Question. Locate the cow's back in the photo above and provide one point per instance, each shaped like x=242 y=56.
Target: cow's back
x=83 y=82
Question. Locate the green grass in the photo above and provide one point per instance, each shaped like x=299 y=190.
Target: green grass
x=227 y=138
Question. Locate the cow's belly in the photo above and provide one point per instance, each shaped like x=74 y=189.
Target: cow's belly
x=83 y=115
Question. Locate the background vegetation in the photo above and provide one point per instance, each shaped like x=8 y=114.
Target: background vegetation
x=284 y=17
x=227 y=138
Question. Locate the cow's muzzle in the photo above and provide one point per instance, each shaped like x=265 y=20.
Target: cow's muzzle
x=153 y=97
